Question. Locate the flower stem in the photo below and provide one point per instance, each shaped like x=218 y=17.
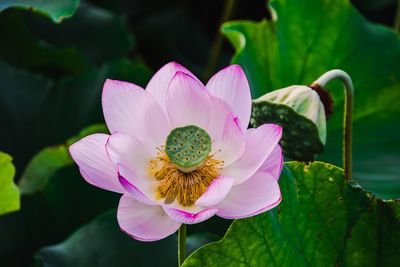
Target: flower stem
x=181 y=244
x=227 y=12
x=347 y=118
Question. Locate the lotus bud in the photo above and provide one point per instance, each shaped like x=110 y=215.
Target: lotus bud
x=298 y=109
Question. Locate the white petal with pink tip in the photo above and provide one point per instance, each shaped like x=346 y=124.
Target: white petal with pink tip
x=159 y=83
x=219 y=110
x=273 y=164
x=144 y=222
x=188 y=102
x=140 y=187
x=125 y=149
x=190 y=218
x=232 y=145
x=128 y=108
x=216 y=191
x=97 y=169
x=231 y=85
x=258 y=194
x=259 y=145
x=135 y=192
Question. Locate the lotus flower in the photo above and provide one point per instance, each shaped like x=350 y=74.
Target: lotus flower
x=180 y=152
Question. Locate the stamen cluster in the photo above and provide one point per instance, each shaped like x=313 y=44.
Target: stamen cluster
x=186 y=187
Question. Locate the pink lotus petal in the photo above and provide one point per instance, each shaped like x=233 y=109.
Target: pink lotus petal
x=190 y=218
x=95 y=166
x=134 y=191
x=232 y=144
x=231 y=85
x=158 y=84
x=128 y=108
x=259 y=145
x=219 y=111
x=216 y=191
x=144 y=222
x=188 y=102
x=140 y=187
x=273 y=164
x=125 y=149
x=132 y=166
x=258 y=194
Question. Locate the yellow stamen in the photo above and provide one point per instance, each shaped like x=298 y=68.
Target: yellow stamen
x=182 y=185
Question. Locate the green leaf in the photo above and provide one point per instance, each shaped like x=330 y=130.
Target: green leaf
x=322 y=221
x=102 y=243
x=9 y=193
x=50 y=159
x=373 y=237
x=57 y=10
x=311 y=37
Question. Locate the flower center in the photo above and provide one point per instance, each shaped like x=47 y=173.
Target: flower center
x=184 y=168
x=188 y=147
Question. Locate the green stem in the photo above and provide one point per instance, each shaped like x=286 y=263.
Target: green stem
x=181 y=244
x=397 y=18
x=347 y=118
x=216 y=46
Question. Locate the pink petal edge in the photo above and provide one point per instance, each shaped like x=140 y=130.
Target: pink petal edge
x=128 y=108
x=258 y=194
x=233 y=143
x=96 y=168
x=190 y=218
x=160 y=81
x=187 y=102
x=259 y=145
x=216 y=191
x=144 y=222
x=134 y=191
x=274 y=163
x=231 y=85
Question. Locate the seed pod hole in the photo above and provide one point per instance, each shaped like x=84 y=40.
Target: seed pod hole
x=188 y=146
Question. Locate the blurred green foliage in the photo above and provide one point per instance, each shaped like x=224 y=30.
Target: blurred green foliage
x=9 y=193
x=56 y=10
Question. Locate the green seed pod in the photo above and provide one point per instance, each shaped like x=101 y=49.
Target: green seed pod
x=187 y=147
x=300 y=112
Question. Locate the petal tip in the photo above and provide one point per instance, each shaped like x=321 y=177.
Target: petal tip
x=267 y=208
x=182 y=74
x=276 y=129
x=108 y=83
x=173 y=64
x=176 y=65
x=216 y=192
x=237 y=67
x=190 y=218
x=72 y=149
